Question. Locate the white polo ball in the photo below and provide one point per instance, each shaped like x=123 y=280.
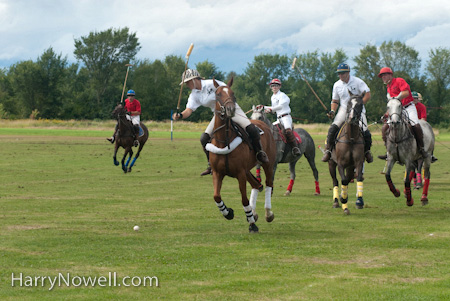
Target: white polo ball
x=136 y=228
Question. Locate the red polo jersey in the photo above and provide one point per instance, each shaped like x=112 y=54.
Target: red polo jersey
x=133 y=106
x=421 y=111
x=398 y=85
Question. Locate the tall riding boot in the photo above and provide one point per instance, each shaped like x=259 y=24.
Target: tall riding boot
x=367 y=146
x=253 y=132
x=292 y=141
x=113 y=137
x=384 y=131
x=418 y=133
x=331 y=137
x=205 y=139
x=136 y=134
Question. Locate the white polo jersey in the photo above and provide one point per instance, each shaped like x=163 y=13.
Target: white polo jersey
x=340 y=91
x=280 y=104
x=205 y=97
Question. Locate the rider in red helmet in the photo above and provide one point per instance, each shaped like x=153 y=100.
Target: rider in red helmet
x=398 y=88
x=280 y=106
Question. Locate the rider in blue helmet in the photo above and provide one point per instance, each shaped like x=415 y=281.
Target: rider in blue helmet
x=133 y=107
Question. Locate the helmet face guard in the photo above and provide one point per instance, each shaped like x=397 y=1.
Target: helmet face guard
x=275 y=81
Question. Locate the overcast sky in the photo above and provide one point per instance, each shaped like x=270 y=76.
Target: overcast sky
x=227 y=33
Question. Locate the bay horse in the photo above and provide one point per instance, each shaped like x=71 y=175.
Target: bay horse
x=348 y=155
x=402 y=147
x=125 y=138
x=284 y=150
x=229 y=157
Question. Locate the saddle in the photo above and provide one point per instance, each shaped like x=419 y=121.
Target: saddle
x=280 y=130
x=243 y=133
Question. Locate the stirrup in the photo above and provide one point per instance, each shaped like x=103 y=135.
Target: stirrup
x=368 y=156
x=112 y=139
x=208 y=171
x=382 y=157
x=326 y=156
x=433 y=159
x=136 y=143
x=296 y=151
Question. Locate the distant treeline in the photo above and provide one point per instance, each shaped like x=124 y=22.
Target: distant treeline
x=52 y=88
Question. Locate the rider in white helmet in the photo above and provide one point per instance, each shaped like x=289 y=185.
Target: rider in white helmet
x=280 y=105
x=204 y=94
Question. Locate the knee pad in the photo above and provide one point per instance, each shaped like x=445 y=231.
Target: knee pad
x=204 y=139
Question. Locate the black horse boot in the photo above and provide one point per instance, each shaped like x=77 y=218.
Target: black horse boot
x=418 y=133
x=384 y=131
x=113 y=137
x=205 y=139
x=331 y=137
x=292 y=141
x=136 y=134
x=367 y=146
x=253 y=132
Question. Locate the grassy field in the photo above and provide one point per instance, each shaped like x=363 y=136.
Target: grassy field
x=65 y=209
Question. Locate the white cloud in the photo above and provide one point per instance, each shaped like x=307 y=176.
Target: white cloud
x=242 y=28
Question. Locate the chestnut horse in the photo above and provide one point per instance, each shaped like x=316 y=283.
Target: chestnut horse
x=348 y=155
x=124 y=138
x=229 y=156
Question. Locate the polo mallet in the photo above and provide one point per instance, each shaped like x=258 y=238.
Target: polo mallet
x=125 y=82
x=184 y=73
x=318 y=98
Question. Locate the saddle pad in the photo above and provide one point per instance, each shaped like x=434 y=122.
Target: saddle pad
x=141 y=131
x=297 y=136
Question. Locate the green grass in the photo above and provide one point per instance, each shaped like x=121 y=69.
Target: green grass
x=65 y=208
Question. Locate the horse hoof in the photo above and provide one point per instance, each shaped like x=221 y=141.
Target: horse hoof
x=287 y=193
x=269 y=216
x=317 y=193
x=410 y=203
x=230 y=214
x=424 y=200
x=397 y=193
x=129 y=169
x=116 y=163
x=360 y=203
x=346 y=211
x=252 y=228
x=336 y=204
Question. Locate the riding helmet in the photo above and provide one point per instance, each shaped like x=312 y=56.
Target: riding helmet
x=385 y=70
x=188 y=75
x=343 y=68
x=275 y=81
x=415 y=94
x=131 y=92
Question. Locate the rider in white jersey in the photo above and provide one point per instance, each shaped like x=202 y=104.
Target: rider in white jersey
x=204 y=94
x=341 y=97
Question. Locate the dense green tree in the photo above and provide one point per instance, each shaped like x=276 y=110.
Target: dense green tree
x=104 y=55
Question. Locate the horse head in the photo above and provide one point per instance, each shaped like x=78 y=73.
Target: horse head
x=394 y=110
x=355 y=108
x=258 y=113
x=225 y=99
x=118 y=111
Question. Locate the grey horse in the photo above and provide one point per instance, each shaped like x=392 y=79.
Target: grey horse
x=284 y=153
x=401 y=147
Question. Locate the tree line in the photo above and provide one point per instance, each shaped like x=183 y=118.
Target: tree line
x=53 y=88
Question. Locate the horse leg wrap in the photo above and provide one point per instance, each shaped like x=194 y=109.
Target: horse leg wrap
x=426 y=184
x=344 y=192
x=291 y=184
x=222 y=208
x=344 y=206
x=419 y=177
x=335 y=193
x=249 y=214
x=253 y=197
x=317 y=187
x=359 y=189
x=268 y=199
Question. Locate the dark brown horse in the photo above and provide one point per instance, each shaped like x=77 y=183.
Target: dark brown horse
x=229 y=156
x=125 y=138
x=348 y=155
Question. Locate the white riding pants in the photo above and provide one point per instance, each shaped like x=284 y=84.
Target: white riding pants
x=239 y=117
x=342 y=114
